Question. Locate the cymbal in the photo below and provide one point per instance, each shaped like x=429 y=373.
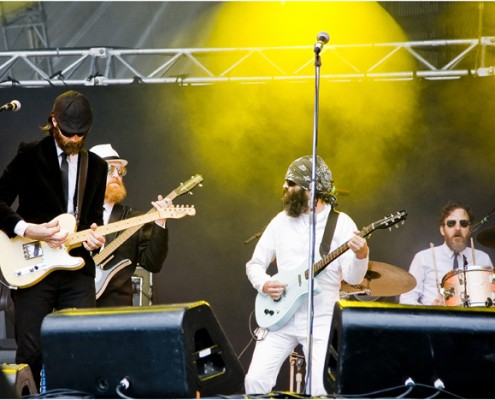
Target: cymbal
x=487 y=237
x=382 y=280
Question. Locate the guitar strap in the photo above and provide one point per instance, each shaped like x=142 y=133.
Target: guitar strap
x=81 y=179
x=326 y=241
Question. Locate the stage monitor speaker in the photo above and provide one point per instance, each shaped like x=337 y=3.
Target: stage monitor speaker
x=159 y=351
x=19 y=378
x=7 y=390
x=375 y=346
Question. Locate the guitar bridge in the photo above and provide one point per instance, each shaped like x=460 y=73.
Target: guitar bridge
x=32 y=250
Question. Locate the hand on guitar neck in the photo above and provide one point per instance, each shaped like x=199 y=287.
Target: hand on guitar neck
x=161 y=204
x=358 y=245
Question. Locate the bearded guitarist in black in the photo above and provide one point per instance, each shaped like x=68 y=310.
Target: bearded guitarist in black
x=51 y=177
x=147 y=247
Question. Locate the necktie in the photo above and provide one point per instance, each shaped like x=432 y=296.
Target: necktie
x=456 y=261
x=64 y=169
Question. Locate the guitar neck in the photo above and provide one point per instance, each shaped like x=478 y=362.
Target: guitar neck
x=78 y=237
x=119 y=240
x=322 y=264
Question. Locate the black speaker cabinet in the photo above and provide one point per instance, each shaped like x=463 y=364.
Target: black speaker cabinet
x=19 y=378
x=160 y=351
x=375 y=346
x=7 y=390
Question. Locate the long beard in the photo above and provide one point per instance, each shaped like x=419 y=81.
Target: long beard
x=295 y=202
x=115 y=194
x=67 y=146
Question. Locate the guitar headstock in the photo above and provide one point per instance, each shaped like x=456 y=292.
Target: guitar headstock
x=391 y=220
x=177 y=211
x=188 y=185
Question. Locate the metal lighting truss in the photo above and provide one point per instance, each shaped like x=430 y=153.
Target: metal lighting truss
x=96 y=66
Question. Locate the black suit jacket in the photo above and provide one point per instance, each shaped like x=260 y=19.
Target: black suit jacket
x=148 y=247
x=34 y=177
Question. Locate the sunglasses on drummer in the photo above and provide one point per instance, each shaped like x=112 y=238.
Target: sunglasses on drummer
x=451 y=223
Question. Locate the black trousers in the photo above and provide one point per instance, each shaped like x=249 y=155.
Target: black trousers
x=58 y=290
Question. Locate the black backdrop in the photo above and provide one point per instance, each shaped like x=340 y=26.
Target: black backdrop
x=168 y=135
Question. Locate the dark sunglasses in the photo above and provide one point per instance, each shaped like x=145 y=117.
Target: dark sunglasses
x=69 y=135
x=451 y=223
x=120 y=171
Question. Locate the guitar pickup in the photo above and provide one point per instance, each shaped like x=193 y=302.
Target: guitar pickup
x=30 y=270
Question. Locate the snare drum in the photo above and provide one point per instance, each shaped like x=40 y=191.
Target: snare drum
x=476 y=291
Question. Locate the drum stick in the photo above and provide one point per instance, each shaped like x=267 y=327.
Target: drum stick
x=432 y=246
x=472 y=249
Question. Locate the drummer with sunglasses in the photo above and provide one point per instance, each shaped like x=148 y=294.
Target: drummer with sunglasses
x=431 y=265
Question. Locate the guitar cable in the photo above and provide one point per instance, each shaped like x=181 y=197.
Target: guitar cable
x=122 y=387
x=257 y=334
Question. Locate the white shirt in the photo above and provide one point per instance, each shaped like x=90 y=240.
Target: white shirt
x=107 y=210
x=429 y=266
x=286 y=240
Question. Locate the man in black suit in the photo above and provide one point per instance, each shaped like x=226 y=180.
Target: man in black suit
x=44 y=176
x=147 y=247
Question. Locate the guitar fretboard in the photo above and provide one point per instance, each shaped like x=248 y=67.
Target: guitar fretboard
x=174 y=212
x=321 y=265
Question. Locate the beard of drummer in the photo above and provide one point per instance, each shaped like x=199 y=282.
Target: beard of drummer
x=456 y=237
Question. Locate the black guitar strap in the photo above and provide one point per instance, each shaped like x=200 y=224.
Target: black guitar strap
x=326 y=241
x=81 y=183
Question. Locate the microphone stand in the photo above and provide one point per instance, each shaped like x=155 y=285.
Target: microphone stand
x=312 y=226
x=466 y=301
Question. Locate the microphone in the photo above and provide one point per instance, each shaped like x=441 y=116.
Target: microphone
x=14 y=105
x=322 y=38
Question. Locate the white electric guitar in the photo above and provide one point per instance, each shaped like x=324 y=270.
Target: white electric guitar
x=105 y=271
x=24 y=262
x=273 y=314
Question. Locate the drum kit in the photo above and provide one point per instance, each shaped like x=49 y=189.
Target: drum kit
x=471 y=286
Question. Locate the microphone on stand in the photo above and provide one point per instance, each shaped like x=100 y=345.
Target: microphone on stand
x=322 y=39
x=476 y=226
x=14 y=105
